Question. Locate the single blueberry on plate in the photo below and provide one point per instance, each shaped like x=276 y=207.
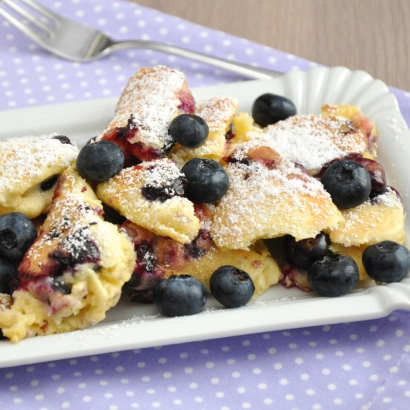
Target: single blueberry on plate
x=386 y=261
x=333 y=275
x=348 y=183
x=207 y=180
x=270 y=108
x=189 y=130
x=8 y=272
x=232 y=287
x=17 y=233
x=307 y=251
x=100 y=161
x=179 y=296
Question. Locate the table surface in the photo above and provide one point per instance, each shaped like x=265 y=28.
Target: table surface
x=356 y=365
x=370 y=35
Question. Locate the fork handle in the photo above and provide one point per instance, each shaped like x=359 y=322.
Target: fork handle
x=238 y=68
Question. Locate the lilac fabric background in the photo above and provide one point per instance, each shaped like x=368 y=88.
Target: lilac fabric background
x=363 y=365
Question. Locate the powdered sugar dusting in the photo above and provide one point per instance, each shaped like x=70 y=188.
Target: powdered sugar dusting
x=216 y=111
x=260 y=194
x=151 y=97
x=30 y=160
x=161 y=173
x=312 y=140
x=388 y=199
x=68 y=222
x=288 y=178
x=156 y=174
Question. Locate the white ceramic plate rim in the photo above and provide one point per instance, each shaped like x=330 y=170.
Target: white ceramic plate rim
x=132 y=326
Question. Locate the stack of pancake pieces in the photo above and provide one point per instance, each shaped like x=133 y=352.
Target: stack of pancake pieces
x=98 y=240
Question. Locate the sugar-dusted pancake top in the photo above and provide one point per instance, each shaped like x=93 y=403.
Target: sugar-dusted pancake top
x=375 y=220
x=217 y=111
x=314 y=140
x=150 y=195
x=269 y=196
x=28 y=161
x=150 y=100
x=30 y=168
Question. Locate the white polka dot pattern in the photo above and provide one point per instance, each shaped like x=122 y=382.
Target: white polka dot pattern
x=346 y=366
x=279 y=368
x=31 y=76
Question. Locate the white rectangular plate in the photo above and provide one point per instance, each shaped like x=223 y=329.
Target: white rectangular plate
x=131 y=326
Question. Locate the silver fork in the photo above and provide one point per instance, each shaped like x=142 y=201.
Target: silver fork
x=77 y=42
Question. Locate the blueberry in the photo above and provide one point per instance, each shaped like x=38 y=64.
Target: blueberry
x=63 y=139
x=17 y=233
x=270 y=108
x=386 y=261
x=303 y=253
x=100 y=161
x=377 y=175
x=334 y=275
x=162 y=193
x=189 y=130
x=179 y=296
x=49 y=183
x=207 y=180
x=348 y=183
x=8 y=272
x=232 y=287
x=58 y=285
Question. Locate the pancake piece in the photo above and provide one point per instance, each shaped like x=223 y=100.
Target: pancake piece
x=150 y=100
x=30 y=170
x=268 y=197
x=359 y=122
x=150 y=195
x=74 y=271
x=242 y=129
x=217 y=112
x=377 y=219
x=315 y=140
x=159 y=257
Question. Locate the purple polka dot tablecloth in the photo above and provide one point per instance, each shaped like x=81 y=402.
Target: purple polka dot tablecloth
x=362 y=365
